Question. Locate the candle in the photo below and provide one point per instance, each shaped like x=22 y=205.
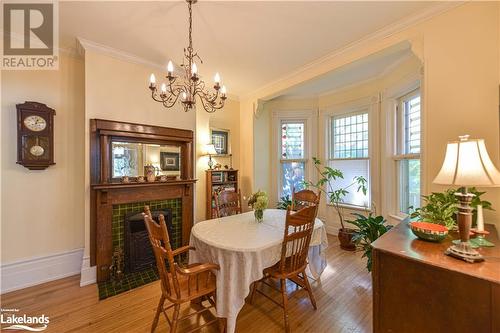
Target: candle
x=480 y=221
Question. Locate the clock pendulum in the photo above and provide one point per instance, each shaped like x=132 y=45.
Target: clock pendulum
x=36 y=149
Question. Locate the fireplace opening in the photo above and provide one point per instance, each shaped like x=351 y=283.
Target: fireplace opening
x=139 y=255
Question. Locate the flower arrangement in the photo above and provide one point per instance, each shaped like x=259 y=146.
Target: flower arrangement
x=258 y=201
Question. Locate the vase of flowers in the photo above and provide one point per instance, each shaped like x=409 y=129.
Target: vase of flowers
x=258 y=202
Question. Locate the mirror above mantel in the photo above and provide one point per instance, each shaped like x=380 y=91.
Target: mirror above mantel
x=131 y=158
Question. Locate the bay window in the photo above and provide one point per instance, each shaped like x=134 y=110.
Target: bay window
x=349 y=152
x=407 y=157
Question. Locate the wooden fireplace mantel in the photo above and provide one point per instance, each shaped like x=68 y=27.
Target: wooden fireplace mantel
x=111 y=186
x=106 y=192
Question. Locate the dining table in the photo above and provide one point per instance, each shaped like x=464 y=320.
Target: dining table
x=243 y=248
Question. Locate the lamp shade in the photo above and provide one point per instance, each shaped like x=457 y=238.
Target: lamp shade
x=210 y=150
x=467 y=163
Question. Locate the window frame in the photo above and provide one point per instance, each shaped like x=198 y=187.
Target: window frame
x=347 y=112
x=399 y=144
x=309 y=116
x=281 y=160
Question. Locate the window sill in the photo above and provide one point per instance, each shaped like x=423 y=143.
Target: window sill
x=352 y=207
x=398 y=217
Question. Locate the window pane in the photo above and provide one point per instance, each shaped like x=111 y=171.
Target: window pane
x=292 y=140
x=412 y=125
x=351 y=169
x=292 y=176
x=127 y=159
x=350 y=136
x=409 y=185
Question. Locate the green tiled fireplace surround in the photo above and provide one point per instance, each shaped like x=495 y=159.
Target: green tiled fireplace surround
x=119 y=212
x=133 y=280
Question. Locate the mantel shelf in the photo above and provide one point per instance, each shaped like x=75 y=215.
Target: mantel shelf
x=109 y=186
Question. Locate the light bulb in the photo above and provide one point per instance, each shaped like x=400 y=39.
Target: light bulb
x=163 y=88
x=152 y=79
x=170 y=67
x=184 y=95
x=194 y=69
x=223 y=90
x=217 y=78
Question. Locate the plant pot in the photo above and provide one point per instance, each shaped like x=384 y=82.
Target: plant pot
x=345 y=238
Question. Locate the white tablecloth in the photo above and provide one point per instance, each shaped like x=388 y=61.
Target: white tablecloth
x=243 y=248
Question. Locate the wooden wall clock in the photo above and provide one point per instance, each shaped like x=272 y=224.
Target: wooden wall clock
x=35 y=135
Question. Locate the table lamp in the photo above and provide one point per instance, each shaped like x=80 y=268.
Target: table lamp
x=210 y=150
x=466 y=163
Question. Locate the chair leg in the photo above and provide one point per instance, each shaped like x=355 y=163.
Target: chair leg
x=222 y=325
x=309 y=290
x=175 y=318
x=254 y=289
x=158 y=312
x=285 y=304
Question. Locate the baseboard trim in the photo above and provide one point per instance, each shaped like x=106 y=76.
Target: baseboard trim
x=331 y=228
x=88 y=273
x=27 y=273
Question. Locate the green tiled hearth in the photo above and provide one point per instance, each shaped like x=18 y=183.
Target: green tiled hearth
x=119 y=212
x=129 y=281
x=137 y=279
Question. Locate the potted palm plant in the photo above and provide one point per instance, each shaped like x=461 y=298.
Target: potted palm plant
x=335 y=197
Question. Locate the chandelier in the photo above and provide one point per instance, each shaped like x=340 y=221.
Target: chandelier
x=191 y=85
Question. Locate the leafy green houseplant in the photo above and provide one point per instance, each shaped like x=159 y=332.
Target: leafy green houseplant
x=284 y=202
x=442 y=207
x=335 y=197
x=369 y=228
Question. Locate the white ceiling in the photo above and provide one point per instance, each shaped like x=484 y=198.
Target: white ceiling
x=365 y=69
x=249 y=43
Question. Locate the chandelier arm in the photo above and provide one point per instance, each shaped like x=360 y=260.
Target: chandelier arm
x=208 y=108
x=169 y=105
x=211 y=97
x=154 y=95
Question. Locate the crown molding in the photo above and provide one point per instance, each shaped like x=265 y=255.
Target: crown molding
x=88 y=45
x=380 y=34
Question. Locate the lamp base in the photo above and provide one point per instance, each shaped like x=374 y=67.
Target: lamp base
x=480 y=241
x=464 y=252
x=469 y=243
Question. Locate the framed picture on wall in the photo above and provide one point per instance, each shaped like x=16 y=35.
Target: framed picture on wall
x=220 y=139
x=170 y=161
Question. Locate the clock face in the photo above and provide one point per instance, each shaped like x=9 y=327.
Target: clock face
x=37 y=150
x=35 y=123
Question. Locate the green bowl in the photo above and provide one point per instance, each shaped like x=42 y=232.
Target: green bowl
x=429 y=231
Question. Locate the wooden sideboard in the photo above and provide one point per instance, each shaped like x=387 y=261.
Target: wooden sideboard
x=416 y=288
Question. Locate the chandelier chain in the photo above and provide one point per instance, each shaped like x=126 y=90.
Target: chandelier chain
x=193 y=86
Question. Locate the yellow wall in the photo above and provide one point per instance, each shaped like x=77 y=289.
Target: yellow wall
x=42 y=211
x=459 y=50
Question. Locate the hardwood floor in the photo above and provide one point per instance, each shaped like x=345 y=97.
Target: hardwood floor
x=343 y=296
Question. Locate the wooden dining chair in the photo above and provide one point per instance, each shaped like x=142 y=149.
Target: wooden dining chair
x=305 y=198
x=179 y=285
x=298 y=231
x=227 y=203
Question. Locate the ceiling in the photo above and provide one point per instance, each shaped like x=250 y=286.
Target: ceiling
x=370 y=67
x=249 y=43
